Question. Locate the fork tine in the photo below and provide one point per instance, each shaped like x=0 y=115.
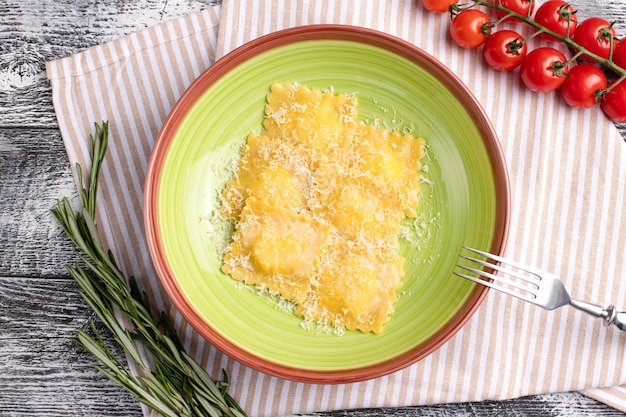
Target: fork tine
x=497 y=287
x=513 y=280
x=504 y=270
x=505 y=261
x=521 y=286
x=548 y=292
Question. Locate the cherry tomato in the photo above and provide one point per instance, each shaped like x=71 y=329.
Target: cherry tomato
x=523 y=7
x=596 y=35
x=542 y=69
x=558 y=16
x=581 y=85
x=613 y=103
x=619 y=54
x=438 y=6
x=466 y=28
x=504 y=50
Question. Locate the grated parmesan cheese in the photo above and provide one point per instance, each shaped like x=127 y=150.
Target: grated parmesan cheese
x=318 y=199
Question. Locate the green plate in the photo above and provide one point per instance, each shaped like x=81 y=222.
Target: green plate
x=464 y=201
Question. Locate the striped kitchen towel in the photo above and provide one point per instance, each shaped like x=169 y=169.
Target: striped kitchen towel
x=568 y=182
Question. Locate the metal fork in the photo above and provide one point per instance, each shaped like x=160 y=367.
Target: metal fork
x=532 y=285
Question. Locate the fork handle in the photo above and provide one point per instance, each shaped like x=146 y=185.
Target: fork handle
x=609 y=315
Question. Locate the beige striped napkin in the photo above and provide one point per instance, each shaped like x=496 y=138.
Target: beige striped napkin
x=568 y=182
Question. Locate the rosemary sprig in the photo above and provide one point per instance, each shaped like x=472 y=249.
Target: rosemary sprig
x=171 y=382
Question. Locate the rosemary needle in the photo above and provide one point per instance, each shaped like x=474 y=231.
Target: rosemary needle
x=171 y=382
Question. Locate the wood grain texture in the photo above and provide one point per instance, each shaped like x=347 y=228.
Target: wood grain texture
x=34 y=173
x=33 y=32
x=550 y=405
x=42 y=372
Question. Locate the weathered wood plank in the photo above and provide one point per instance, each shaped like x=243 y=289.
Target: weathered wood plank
x=37 y=380
x=34 y=173
x=39 y=309
x=34 y=32
x=563 y=404
x=43 y=372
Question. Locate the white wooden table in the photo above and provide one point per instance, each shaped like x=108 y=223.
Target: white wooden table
x=42 y=372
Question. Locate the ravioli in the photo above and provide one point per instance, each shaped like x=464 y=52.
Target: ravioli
x=317 y=199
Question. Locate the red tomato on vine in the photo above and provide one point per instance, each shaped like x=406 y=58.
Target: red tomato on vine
x=543 y=69
x=468 y=28
x=596 y=35
x=619 y=54
x=523 y=7
x=504 y=50
x=582 y=85
x=613 y=103
x=438 y=6
x=557 y=16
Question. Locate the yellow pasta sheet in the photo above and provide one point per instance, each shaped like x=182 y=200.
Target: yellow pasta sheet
x=318 y=199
